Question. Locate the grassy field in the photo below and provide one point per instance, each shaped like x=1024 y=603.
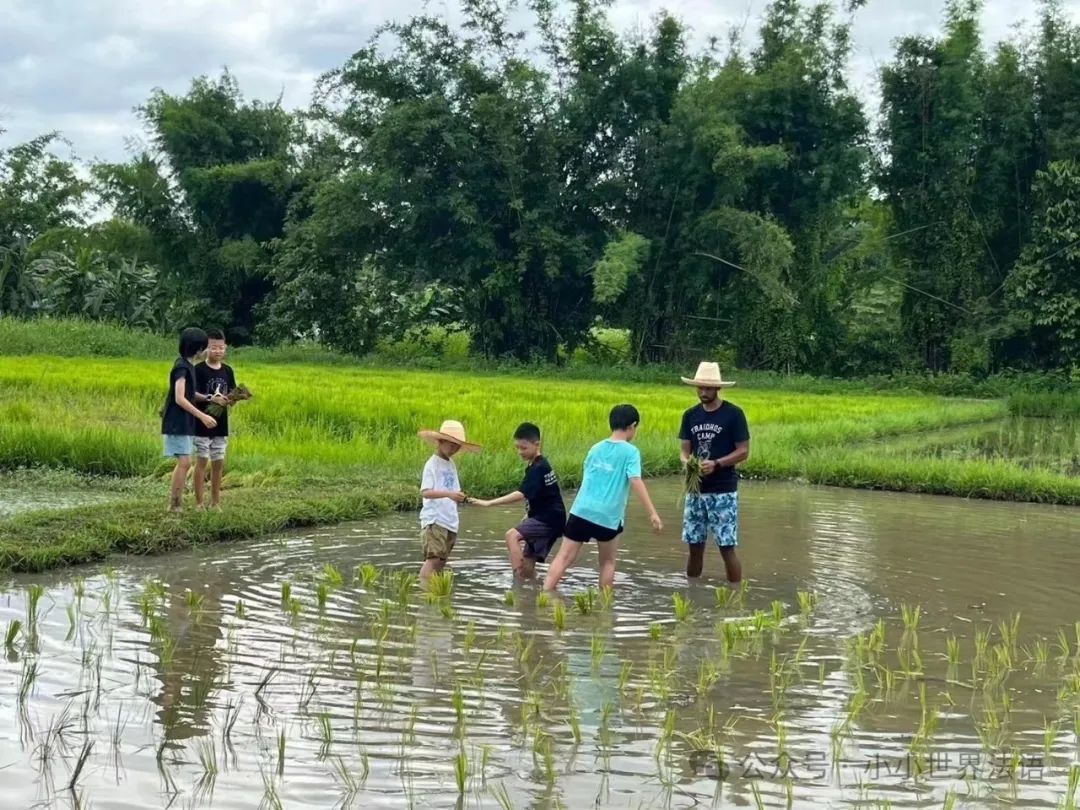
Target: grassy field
x=325 y=442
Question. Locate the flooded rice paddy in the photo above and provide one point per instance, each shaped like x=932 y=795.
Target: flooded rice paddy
x=890 y=650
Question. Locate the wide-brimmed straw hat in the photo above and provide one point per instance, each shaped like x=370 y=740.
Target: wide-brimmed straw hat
x=450 y=431
x=708 y=376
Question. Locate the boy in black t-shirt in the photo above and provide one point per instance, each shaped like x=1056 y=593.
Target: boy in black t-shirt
x=533 y=539
x=214 y=380
x=180 y=414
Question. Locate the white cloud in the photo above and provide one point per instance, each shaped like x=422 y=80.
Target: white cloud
x=81 y=66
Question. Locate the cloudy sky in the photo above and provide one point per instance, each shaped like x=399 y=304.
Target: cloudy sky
x=80 y=66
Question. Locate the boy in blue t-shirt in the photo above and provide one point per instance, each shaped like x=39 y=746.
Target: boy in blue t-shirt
x=612 y=469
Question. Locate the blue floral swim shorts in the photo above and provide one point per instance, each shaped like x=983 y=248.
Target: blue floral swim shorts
x=712 y=513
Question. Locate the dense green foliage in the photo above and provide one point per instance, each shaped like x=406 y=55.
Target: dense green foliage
x=458 y=181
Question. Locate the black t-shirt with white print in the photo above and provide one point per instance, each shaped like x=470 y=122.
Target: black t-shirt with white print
x=541 y=488
x=210 y=381
x=713 y=435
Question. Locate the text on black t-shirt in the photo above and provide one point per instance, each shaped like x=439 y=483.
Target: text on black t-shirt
x=541 y=489
x=713 y=435
x=210 y=381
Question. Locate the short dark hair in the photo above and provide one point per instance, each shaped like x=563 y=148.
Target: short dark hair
x=192 y=341
x=215 y=334
x=527 y=432
x=623 y=417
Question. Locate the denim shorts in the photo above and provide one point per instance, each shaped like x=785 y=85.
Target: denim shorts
x=176 y=446
x=712 y=513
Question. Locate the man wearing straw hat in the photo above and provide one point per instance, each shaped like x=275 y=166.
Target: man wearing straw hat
x=441 y=491
x=715 y=432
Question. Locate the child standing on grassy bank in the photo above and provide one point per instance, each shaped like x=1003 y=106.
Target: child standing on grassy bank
x=612 y=469
x=214 y=379
x=534 y=537
x=180 y=413
x=440 y=489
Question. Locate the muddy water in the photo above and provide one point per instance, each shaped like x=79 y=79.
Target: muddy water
x=188 y=688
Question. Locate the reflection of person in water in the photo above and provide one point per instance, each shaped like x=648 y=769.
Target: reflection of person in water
x=432 y=664
x=195 y=630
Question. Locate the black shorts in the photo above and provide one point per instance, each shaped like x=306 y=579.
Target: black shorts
x=582 y=531
x=539 y=538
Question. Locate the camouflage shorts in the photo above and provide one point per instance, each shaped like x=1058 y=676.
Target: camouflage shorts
x=713 y=513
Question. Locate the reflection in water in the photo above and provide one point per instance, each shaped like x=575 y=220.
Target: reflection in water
x=341 y=693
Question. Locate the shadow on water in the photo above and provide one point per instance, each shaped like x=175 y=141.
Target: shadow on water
x=268 y=672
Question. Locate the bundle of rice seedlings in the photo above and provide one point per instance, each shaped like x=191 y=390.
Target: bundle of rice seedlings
x=692 y=475
x=238 y=394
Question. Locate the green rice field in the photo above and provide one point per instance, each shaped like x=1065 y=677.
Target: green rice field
x=324 y=442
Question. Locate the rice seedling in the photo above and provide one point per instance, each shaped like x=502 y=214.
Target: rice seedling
x=194 y=602
x=656 y=631
x=286 y=592
x=585 y=602
x=80 y=764
x=543 y=600
x=693 y=473
x=350 y=785
x=624 y=675
x=332 y=576
x=558 y=616
x=33 y=600
x=29 y=678
x=708 y=675
x=326 y=735
x=777 y=613
x=952 y=646
x=598 y=647
x=1050 y=735
x=574 y=721
x=1040 y=654
x=12 y=634
x=322 y=593
x=461 y=770
x=502 y=797
x=368 y=575
x=544 y=749
x=509 y=599
x=911 y=616
x=724 y=597
x=270 y=798
x=683 y=606
x=1069 y=801
x=457 y=700
x=240 y=610
x=441 y=585
x=808 y=602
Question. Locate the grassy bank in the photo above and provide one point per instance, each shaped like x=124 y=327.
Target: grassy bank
x=325 y=442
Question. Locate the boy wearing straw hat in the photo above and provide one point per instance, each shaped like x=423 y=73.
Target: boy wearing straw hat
x=441 y=493
x=715 y=432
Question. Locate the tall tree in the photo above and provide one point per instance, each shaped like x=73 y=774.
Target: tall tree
x=215 y=195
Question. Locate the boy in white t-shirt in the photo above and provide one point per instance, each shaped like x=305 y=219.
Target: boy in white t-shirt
x=440 y=489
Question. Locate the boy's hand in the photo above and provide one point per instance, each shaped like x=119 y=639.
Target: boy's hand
x=220 y=399
x=657 y=523
x=209 y=422
x=708 y=467
x=478 y=502
x=456 y=497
